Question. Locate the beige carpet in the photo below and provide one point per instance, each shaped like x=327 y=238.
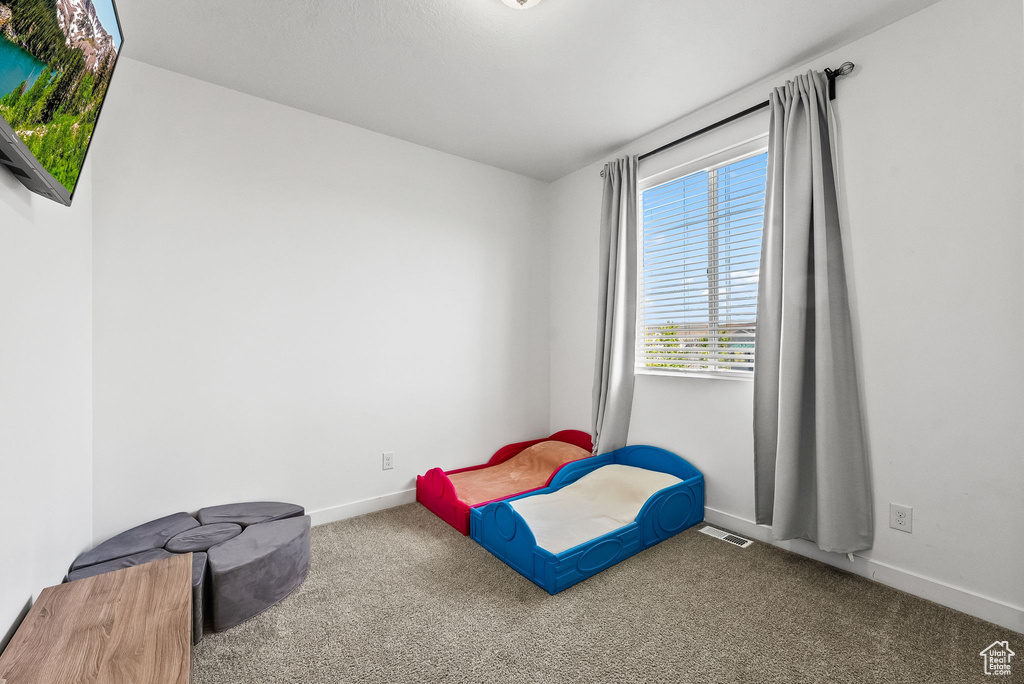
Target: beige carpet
x=398 y=596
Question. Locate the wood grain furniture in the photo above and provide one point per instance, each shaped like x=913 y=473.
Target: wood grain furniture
x=124 y=627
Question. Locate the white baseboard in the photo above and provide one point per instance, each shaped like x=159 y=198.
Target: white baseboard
x=992 y=610
x=351 y=510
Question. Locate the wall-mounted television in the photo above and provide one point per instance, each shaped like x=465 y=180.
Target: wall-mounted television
x=56 y=61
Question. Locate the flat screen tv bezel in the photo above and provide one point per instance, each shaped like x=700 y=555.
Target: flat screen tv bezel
x=63 y=195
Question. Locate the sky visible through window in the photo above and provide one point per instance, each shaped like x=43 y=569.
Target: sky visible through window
x=698 y=285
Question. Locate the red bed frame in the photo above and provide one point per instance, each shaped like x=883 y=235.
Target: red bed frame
x=435 y=491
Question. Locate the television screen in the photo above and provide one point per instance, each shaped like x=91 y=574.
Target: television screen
x=56 y=60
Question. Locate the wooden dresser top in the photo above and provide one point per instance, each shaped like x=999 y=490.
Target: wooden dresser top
x=132 y=626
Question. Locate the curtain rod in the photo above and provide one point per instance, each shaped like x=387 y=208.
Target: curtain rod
x=832 y=74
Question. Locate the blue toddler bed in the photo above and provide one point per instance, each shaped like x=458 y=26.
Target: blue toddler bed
x=586 y=519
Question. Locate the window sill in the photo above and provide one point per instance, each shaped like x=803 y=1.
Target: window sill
x=741 y=376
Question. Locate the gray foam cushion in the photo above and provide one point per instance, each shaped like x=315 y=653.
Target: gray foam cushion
x=145 y=537
x=249 y=513
x=198 y=590
x=118 y=564
x=198 y=568
x=203 y=537
x=256 y=569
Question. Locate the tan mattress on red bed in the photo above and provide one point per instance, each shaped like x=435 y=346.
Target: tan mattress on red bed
x=529 y=469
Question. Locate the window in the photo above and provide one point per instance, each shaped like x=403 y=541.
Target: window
x=700 y=252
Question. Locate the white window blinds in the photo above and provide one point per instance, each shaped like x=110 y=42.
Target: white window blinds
x=700 y=255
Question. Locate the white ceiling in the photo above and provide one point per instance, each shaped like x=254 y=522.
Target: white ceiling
x=542 y=92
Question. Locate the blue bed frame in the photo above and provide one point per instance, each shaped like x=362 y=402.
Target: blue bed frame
x=501 y=530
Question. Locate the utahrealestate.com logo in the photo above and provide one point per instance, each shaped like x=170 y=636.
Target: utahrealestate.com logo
x=997 y=658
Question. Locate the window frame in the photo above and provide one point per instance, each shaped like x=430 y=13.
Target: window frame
x=713 y=161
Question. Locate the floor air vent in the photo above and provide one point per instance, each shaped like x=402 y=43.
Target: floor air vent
x=727 y=536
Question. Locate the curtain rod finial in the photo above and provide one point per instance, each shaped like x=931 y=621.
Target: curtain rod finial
x=832 y=74
x=844 y=69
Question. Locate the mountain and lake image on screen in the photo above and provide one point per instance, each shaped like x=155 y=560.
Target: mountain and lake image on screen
x=56 y=61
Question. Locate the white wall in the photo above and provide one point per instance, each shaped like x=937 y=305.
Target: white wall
x=45 y=390
x=931 y=143
x=281 y=297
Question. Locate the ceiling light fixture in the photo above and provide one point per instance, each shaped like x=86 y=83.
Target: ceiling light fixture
x=521 y=4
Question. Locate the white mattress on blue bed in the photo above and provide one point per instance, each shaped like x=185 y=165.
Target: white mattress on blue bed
x=599 y=502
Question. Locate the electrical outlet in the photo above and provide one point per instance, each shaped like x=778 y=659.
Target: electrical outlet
x=387 y=461
x=901 y=518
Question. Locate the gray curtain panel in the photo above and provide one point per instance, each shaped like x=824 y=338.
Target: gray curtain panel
x=811 y=468
x=616 y=311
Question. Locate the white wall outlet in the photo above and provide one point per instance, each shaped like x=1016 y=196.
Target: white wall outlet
x=387 y=461
x=901 y=518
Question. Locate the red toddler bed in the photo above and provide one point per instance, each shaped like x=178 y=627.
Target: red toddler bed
x=514 y=469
